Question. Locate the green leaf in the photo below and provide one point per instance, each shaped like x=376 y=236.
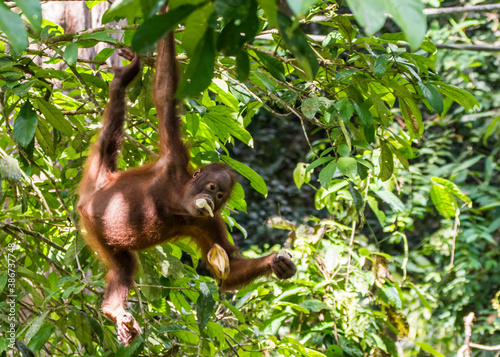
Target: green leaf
x=429 y=349
x=380 y=65
x=300 y=175
x=372 y=202
x=35 y=326
x=195 y=26
x=13 y=26
x=273 y=65
x=433 y=96
x=348 y=166
x=42 y=336
x=443 y=201
x=23 y=88
x=32 y=9
x=326 y=175
x=317 y=162
x=453 y=189
x=25 y=125
x=409 y=16
x=401 y=157
x=97 y=36
x=54 y=116
x=200 y=70
x=356 y=196
x=301 y=7
x=222 y=121
x=383 y=112
x=391 y=199
x=392 y=295
x=369 y=14
x=70 y=55
x=204 y=305
x=270 y=7
x=412 y=117
x=315 y=305
x=121 y=9
x=82 y=328
x=158 y=26
x=364 y=114
x=310 y=106
x=242 y=66
x=459 y=95
x=104 y=54
x=297 y=42
x=386 y=162
x=345 y=109
x=255 y=180
x=45 y=139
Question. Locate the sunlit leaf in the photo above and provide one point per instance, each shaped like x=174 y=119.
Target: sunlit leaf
x=255 y=180
x=369 y=14
x=452 y=188
x=13 y=26
x=54 y=116
x=391 y=199
x=32 y=9
x=443 y=201
x=300 y=175
x=409 y=16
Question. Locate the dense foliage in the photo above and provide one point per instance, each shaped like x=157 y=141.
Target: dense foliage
x=396 y=224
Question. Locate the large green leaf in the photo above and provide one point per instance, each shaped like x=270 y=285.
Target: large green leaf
x=453 y=189
x=433 y=96
x=409 y=16
x=54 y=116
x=255 y=180
x=158 y=26
x=32 y=9
x=369 y=14
x=310 y=106
x=195 y=27
x=273 y=65
x=459 y=95
x=199 y=73
x=386 y=162
x=326 y=174
x=204 y=306
x=222 y=120
x=412 y=117
x=13 y=26
x=443 y=201
x=391 y=199
x=70 y=54
x=25 y=125
x=35 y=326
x=348 y=166
x=300 y=175
x=121 y=9
x=297 y=42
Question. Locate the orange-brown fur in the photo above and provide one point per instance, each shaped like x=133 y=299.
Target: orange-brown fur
x=127 y=211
